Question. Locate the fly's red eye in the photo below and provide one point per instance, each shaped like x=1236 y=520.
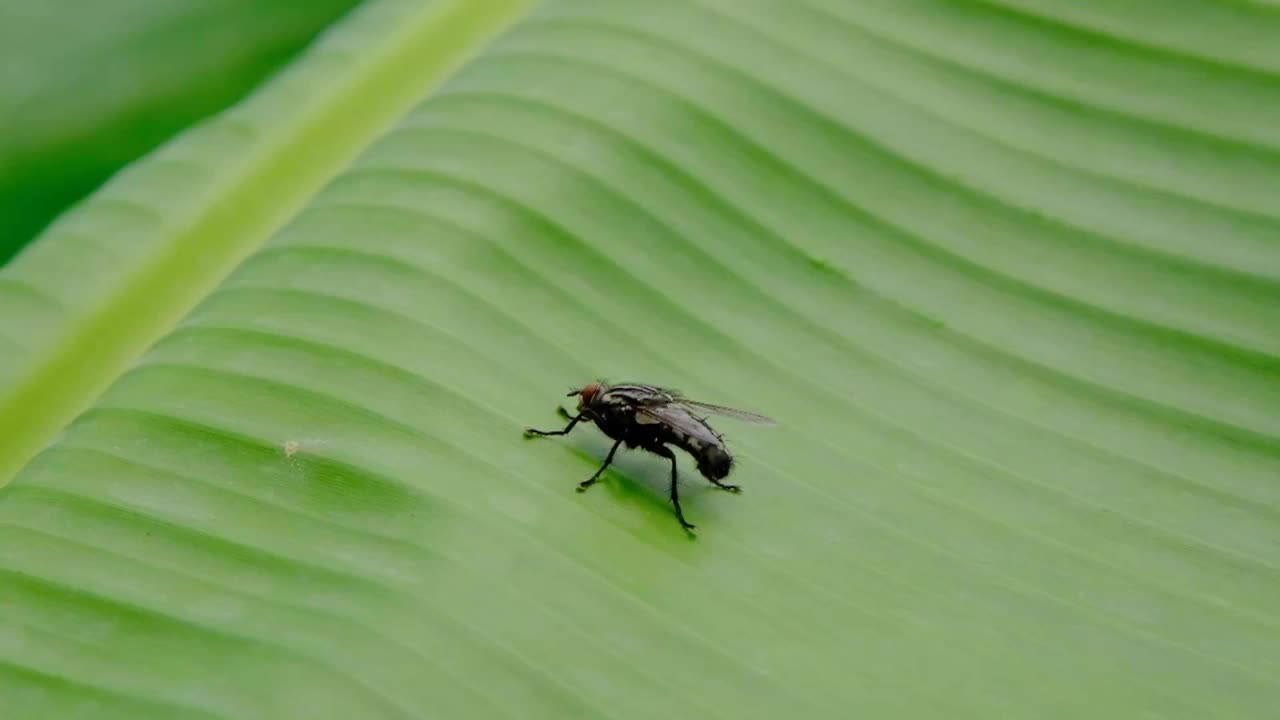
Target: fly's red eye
x=589 y=392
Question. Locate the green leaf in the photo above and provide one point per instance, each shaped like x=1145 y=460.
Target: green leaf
x=89 y=87
x=110 y=278
x=1006 y=273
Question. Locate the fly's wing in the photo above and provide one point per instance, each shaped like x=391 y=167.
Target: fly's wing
x=728 y=412
x=651 y=397
x=676 y=417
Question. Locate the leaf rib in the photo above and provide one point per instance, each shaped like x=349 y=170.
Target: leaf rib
x=301 y=129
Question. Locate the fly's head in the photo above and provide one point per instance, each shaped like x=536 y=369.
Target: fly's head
x=588 y=395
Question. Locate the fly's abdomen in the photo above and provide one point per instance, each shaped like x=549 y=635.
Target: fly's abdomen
x=714 y=460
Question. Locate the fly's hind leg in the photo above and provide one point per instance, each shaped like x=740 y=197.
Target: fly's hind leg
x=725 y=486
x=665 y=452
x=607 y=459
x=715 y=464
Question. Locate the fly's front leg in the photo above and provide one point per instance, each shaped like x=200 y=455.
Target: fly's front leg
x=665 y=452
x=607 y=459
x=530 y=432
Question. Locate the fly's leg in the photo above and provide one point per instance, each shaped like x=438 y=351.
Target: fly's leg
x=530 y=432
x=607 y=459
x=726 y=486
x=665 y=452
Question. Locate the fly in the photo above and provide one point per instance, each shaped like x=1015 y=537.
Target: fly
x=652 y=418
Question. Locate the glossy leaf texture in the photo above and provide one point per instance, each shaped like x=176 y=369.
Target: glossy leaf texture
x=1006 y=273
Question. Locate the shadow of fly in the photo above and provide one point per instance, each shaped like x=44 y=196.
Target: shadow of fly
x=652 y=418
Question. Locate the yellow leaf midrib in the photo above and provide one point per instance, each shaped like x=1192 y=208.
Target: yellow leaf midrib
x=406 y=49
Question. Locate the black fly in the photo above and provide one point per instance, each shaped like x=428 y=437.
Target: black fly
x=650 y=418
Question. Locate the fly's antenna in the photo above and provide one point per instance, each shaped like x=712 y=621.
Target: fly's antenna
x=573 y=392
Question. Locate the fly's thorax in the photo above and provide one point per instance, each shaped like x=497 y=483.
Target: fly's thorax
x=616 y=421
x=612 y=399
x=636 y=394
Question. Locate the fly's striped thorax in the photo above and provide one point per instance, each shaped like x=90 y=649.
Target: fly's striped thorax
x=635 y=394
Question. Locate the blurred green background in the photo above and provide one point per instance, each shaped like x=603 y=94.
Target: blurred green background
x=86 y=88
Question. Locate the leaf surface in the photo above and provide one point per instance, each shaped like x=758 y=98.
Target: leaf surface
x=87 y=88
x=1015 y=320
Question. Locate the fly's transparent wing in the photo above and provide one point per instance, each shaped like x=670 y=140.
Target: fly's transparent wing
x=728 y=412
x=678 y=418
x=652 y=397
